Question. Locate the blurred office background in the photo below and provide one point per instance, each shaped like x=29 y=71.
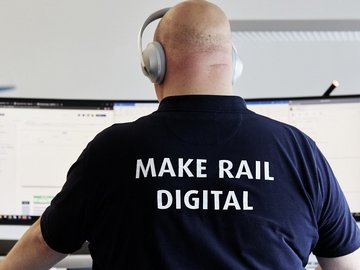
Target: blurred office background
x=87 y=49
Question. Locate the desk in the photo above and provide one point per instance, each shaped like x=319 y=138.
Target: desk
x=72 y=261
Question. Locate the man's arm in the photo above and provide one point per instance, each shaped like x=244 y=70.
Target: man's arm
x=347 y=262
x=31 y=252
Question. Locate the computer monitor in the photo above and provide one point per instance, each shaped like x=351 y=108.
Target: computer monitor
x=41 y=138
x=334 y=124
x=39 y=141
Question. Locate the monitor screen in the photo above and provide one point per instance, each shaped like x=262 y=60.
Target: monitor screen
x=39 y=141
x=334 y=124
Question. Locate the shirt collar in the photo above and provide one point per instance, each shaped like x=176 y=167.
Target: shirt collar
x=210 y=103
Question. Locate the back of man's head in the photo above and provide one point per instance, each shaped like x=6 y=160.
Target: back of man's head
x=196 y=38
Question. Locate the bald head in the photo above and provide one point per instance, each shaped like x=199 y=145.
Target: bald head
x=194 y=25
x=196 y=37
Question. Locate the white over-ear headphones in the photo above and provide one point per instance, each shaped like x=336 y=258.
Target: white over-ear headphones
x=153 y=62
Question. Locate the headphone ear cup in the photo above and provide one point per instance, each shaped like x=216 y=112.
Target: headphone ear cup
x=237 y=65
x=154 y=62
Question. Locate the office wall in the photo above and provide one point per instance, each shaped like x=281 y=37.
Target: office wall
x=88 y=49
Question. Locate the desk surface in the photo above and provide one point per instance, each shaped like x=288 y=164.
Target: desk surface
x=72 y=261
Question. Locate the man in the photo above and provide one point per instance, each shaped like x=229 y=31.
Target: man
x=202 y=183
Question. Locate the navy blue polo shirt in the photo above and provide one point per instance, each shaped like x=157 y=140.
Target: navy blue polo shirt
x=202 y=183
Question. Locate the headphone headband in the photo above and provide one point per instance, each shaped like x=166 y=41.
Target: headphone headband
x=154 y=16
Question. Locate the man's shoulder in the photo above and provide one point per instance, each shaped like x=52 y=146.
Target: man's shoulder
x=119 y=132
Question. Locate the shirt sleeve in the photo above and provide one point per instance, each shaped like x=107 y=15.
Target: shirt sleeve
x=338 y=232
x=63 y=224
